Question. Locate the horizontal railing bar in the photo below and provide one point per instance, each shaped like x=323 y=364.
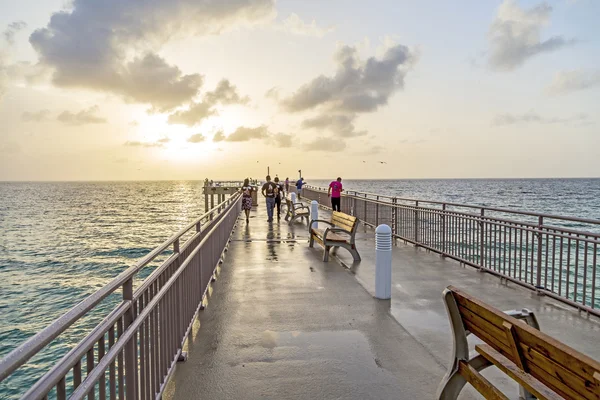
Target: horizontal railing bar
x=494 y=209
x=100 y=369
x=62 y=367
x=29 y=348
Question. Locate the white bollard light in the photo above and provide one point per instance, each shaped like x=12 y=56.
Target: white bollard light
x=314 y=211
x=293 y=197
x=383 y=262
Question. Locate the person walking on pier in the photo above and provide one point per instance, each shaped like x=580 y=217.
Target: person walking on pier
x=278 y=197
x=247 y=198
x=335 y=192
x=299 y=184
x=269 y=191
x=287 y=185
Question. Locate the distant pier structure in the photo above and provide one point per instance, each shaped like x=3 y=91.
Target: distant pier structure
x=222 y=189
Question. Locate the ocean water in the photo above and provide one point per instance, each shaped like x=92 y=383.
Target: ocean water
x=60 y=242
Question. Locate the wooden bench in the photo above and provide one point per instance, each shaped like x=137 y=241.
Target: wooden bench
x=543 y=366
x=295 y=210
x=341 y=232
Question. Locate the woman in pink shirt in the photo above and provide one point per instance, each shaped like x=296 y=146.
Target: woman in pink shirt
x=335 y=191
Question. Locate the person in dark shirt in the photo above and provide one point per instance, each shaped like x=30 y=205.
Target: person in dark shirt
x=299 y=185
x=278 y=197
x=269 y=191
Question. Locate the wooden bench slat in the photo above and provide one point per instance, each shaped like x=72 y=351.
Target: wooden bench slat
x=558 y=371
x=489 y=326
x=488 y=338
x=509 y=368
x=330 y=235
x=479 y=382
x=343 y=216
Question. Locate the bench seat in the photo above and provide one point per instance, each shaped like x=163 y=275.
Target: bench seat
x=341 y=233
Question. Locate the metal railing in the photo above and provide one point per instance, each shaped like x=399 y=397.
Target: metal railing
x=556 y=256
x=132 y=351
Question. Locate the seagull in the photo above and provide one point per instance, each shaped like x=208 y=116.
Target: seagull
x=364 y=161
x=382 y=162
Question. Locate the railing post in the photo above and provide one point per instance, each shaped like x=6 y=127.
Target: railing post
x=365 y=207
x=482 y=240
x=395 y=219
x=377 y=212
x=539 y=255
x=176 y=246
x=416 y=223
x=444 y=230
x=130 y=347
x=198 y=226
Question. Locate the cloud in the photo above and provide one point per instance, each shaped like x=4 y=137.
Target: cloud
x=83 y=117
x=532 y=117
x=295 y=25
x=12 y=30
x=273 y=93
x=515 y=35
x=134 y=123
x=572 y=81
x=341 y=125
x=356 y=86
x=112 y=46
x=197 y=138
x=39 y=116
x=225 y=93
x=196 y=113
x=163 y=140
x=283 y=140
x=136 y=143
x=219 y=136
x=244 y=134
x=325 y=144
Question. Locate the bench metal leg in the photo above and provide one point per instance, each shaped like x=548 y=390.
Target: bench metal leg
x=354 y=253
x=311 y=242
x=453 y=383
x=326 y=253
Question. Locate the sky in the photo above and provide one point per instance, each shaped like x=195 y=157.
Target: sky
x=194 y=89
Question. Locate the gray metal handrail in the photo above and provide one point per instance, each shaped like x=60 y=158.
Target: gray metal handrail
x=557 y=261
x=442 y=203
x=123 y=315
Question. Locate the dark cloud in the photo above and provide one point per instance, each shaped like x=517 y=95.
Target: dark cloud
x=532 y=117
x=341 y=125
x=136 y=143
x=225 y=93
x=90 y=45
x=515 y=33
x=327 y=144
x=356 y=86
x=283 y=140
x=197 y=138
x=572 y=81
x=12 y=30
x=83 y=117
x=39 y=116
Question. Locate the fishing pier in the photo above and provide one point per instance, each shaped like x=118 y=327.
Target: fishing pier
x=248 y=310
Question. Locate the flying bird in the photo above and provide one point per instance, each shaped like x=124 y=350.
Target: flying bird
x=382 y=162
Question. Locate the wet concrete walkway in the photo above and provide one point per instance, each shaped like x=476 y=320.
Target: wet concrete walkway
x=281 y=324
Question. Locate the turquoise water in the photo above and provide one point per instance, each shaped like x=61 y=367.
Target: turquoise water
x=60 y=242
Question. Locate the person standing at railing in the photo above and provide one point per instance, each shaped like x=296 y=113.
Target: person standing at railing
x=278 y=197
x=335 y=192
x=299 y=185
x=247 y=198
x=287 y=185
x=269 y=190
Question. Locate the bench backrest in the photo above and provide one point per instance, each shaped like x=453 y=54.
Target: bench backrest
x=567 y=372
x=344 y=221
